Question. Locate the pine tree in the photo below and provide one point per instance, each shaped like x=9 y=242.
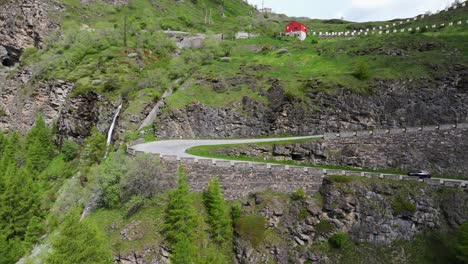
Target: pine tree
x=462 y=243
x=181 y=223
x=12 y=153
x=95 y=147
x=184 y=252
x=217 y=212
x=11 y=250
x=181 y=220
x=19 y=203
x=39 y=146
x=79 y=242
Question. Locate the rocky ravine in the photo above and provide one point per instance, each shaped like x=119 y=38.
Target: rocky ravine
x=396 y=103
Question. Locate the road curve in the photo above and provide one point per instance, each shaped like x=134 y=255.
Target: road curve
x=179 y=147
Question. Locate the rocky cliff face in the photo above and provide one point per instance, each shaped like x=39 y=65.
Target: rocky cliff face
x=396 y=103
x=370 y=212
x=22 y=100
x=24 y=24
x=442 y=152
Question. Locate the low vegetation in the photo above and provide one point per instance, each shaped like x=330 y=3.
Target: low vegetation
x=251 y=228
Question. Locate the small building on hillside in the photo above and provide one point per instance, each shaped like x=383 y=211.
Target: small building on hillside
x=296 y=29
x=245 y=35
x=266 y=10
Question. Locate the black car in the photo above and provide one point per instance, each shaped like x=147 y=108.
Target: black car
x=422 y=174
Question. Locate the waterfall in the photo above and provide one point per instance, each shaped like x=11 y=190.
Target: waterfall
x=111 y=129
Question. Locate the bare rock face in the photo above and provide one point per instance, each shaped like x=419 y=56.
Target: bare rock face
x=394 y=103
x=21 y=100
x=24 y=24
x=374 y=212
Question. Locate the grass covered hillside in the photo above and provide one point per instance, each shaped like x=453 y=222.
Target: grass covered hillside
x=121 y=53
x=68 y=196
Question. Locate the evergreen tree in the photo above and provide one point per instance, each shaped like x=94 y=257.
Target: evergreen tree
x=34 y=230
x=39 y=146
x=19 y=203
x=79 y=242
x=12 y=153
x=94 y=148
x=462 y=243
x=184 y=252
x=181 y=220
x=2 y=141
x=217 y=212
x=11 y=250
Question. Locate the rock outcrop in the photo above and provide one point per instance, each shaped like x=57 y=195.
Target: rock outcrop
x=22 y=100
x=443 y=152
x=23 y=24
x=395 y=103
x=370 y=212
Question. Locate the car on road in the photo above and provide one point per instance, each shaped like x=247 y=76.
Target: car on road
x=422 y=174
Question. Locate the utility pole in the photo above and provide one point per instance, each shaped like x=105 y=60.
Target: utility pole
x=125 y=32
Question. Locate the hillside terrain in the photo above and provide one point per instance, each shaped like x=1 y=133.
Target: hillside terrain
x=71 y=70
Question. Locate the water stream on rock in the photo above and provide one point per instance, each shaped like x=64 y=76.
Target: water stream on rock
x=111 y=128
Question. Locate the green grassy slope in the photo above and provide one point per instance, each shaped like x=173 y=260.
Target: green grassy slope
x=93 y=54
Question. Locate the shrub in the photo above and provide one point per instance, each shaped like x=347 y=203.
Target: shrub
x=94 y=147
x=251 y=228
x=69 y=150
x=340 y=178
x=135 y=203
x=402 y=206
x=313 y=40
x=324 y=226
x=299 y=195
x=142 y=178
x=111 y=84
x=236 y=211
x=2 y=112
x=339 y=240
x=267 y=48
x=362 y=71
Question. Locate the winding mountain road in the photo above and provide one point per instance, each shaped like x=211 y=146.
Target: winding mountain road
x=179 y=147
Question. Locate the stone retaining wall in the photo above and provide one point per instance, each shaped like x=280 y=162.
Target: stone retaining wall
x=379 y=132
x=239 y=179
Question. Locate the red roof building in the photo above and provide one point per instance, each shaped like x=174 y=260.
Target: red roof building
x=296 y=29
x=295 y=26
